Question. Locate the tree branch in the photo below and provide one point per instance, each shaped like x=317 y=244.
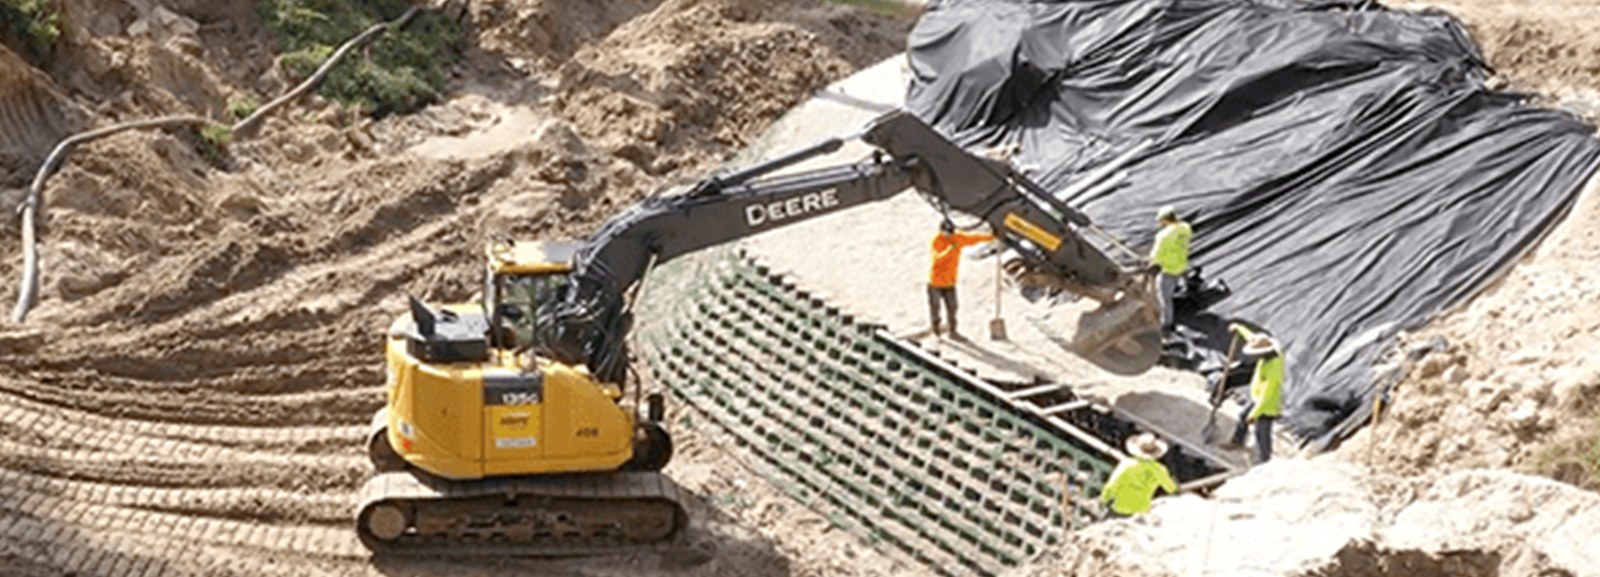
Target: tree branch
x=248 y=126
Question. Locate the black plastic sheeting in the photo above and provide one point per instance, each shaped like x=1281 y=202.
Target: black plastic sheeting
x=1344 y=167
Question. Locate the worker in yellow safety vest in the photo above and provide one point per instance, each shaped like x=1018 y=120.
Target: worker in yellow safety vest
x=1137 y=477
x=1171 y=256
x=1266 y=390
x=946 y=252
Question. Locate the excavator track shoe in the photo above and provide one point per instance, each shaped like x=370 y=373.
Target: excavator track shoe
x=568 y=515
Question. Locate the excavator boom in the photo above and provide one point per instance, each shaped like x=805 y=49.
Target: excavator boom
x=589 y=323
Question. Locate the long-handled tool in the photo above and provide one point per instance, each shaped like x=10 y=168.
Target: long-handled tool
x=997 y=325
x=1209 y=433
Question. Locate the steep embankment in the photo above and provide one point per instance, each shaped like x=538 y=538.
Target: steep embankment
x=1516 y=384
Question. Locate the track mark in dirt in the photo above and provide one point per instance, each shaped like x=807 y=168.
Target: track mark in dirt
x=243 y=504
x=202 y=406
x=199 y=468
x=135 y=436
x=85 y=505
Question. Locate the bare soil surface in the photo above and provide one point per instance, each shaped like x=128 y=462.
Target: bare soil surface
x=191 y=393
x=1326 y=517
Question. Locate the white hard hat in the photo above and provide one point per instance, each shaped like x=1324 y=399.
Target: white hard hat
x=1260 y=344
x=1146 y=445
x=1166 y=212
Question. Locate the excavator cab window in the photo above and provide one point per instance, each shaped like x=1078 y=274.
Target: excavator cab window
x=519 y=298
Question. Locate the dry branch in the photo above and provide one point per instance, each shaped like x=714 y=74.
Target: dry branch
x=28 y=291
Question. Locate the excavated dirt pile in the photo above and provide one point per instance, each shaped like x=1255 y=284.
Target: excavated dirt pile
x=188 y=397
x=1327 y=518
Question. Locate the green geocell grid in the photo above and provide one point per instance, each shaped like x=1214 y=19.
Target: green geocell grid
x=883 y=444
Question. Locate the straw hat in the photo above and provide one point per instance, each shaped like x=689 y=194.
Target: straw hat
x=1260 y=344
x=1146 y=445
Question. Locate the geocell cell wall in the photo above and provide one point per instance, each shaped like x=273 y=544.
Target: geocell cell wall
x=1344 y=167
x=888 y=447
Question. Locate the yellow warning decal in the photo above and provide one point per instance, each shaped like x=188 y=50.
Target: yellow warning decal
x=1032 y=232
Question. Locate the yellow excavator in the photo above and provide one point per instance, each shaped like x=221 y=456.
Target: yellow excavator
x=506 y=430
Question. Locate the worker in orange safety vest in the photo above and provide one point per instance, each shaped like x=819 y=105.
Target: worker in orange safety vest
x=946 y=252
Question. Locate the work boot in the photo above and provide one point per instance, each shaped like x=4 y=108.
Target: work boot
x=935 y=329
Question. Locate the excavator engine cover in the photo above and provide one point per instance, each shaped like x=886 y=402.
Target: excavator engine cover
x=446 y=336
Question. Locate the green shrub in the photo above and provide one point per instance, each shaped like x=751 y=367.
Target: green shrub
x=398 y=71
x=243 y=108
x=1575 y=458
x=214 y=139
x=33 y=23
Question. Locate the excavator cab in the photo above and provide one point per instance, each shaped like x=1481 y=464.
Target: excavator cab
x=518 y=278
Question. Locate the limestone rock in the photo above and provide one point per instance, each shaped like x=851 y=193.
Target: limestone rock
x=1486 y=397
x=1524 y=415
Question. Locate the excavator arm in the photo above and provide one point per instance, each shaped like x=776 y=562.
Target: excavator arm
x=589 y=321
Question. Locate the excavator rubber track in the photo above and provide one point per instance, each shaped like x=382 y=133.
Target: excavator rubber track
x=406 y=514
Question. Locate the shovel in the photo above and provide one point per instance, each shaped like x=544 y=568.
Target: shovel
x=1209 y=433
x=997 y=325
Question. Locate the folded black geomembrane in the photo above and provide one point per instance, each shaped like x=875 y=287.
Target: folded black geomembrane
x=1346 y=170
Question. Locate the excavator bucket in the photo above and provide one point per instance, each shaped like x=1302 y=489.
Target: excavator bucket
x=1117 y=328
x=1121 y=337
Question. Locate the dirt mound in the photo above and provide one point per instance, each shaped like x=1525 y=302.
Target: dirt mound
x=33 y=117
x=681 y=87
x=1327 y=518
